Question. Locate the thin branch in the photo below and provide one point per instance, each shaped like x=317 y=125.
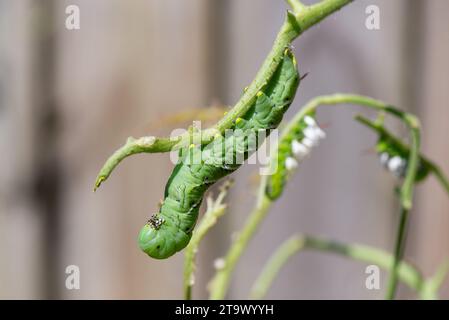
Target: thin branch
x=220 y=282
x=410 y=120
x=271 y=269
x=215 y=209
x=432 y=286
x=406 y=190
x=392 y=284
x=298 y=243
x=381 y=130
x=398 y=254
x=152 y=144
x=294 y=25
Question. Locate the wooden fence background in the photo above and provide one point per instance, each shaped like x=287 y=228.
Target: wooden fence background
x=69 y=98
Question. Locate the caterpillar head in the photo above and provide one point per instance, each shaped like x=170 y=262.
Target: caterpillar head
x=160 y=240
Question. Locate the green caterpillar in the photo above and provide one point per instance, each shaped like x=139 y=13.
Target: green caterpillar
x=294 y=145
x=170 y=230
x=393 y=153
x=394 y=157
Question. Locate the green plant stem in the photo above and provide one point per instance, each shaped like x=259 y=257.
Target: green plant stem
x=296 y=5
x=215 y=209
x=406 y=272
x=409 y=181
x=295 y=24
x=432 y=286
x=378 y=127
x=406 y=205
x=271 y=269
x=220 y=282
x=410 y=120
x=398 y=254
x=381 y=130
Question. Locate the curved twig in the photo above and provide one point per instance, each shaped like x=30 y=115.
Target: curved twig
x=295 y=24
x=220 y=282
x=407 y=273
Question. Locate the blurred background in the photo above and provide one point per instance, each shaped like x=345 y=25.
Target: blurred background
x=69 y=98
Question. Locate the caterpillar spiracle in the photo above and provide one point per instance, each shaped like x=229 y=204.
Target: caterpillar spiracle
x=170 y=230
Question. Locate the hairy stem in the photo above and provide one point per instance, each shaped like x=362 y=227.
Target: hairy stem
x=295 y=24
x=406 y=272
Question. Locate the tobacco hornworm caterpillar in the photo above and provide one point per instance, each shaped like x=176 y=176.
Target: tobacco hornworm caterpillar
x=294 y=146
x=170 y=230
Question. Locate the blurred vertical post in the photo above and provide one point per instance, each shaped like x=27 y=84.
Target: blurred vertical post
x=429 y=245
x=47 y=171
x=413 y=33
x=218 y=59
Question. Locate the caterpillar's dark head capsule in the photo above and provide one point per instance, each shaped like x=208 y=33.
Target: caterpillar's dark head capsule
x=160 y=239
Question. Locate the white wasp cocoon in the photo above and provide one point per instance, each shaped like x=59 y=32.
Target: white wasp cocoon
x=396 y=165
x=311 y=133
x=310 y=121
x=192 y=280
x=320 y=132
x=299 y=150
x=291 y=163
x=219 y=263
x=309 y=143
